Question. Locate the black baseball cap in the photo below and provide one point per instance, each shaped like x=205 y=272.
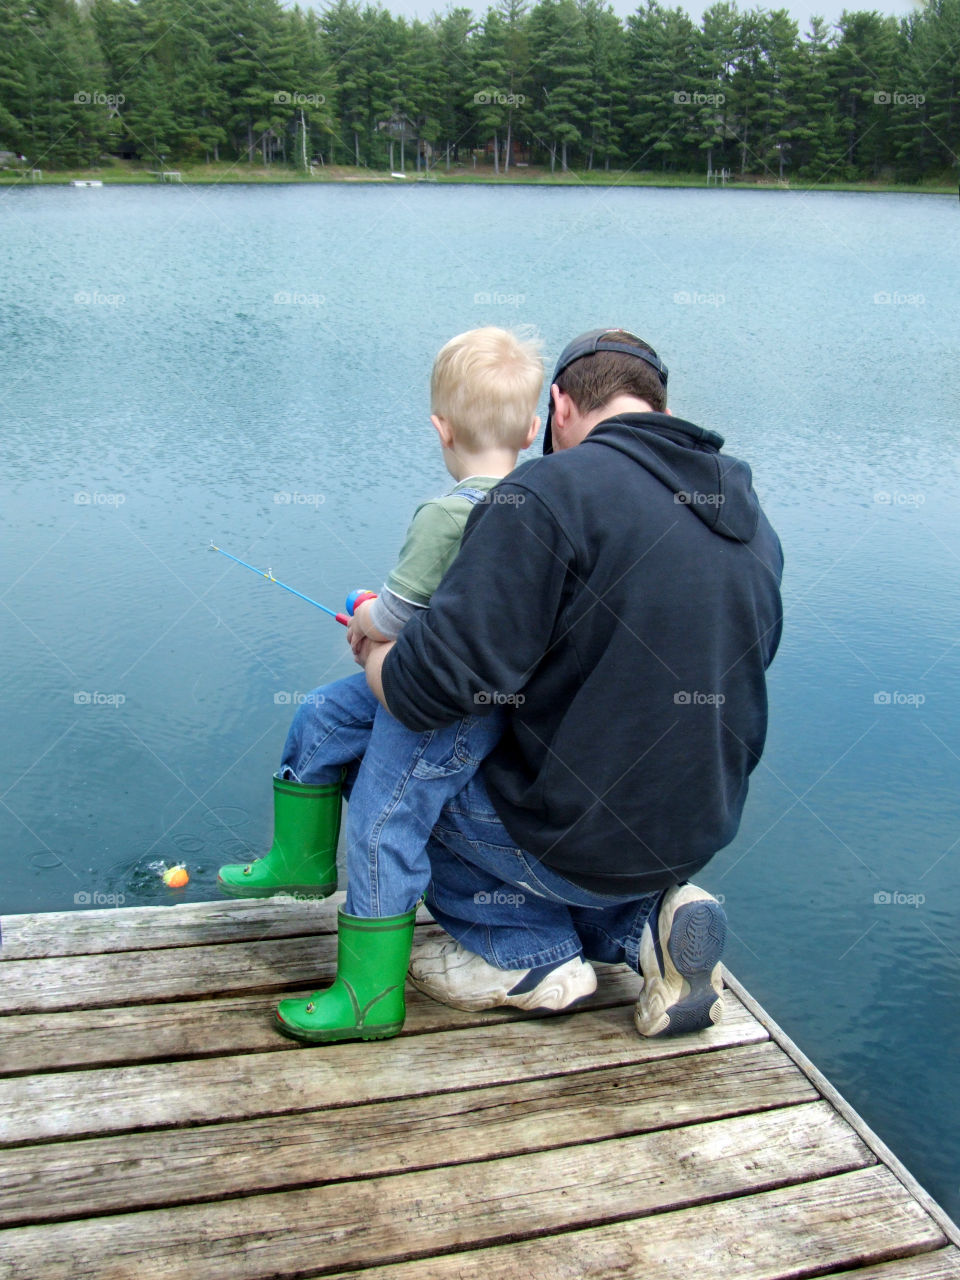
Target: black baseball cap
x=586 y=345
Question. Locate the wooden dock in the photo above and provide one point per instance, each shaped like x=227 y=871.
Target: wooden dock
x=154 y=1126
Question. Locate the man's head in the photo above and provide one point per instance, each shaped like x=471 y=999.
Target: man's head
x=485 y=386
x=602 y=372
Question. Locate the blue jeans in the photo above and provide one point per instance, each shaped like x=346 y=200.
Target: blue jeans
x=503 y=904
x=397 y=782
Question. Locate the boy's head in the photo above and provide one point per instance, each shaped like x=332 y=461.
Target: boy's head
x=485 y=384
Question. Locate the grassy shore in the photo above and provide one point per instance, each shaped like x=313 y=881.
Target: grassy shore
x=120 y=172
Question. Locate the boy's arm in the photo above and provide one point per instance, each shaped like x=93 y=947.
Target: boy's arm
x=432 y=541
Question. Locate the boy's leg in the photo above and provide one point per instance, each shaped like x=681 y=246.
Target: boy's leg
x=326 y=739
x=400 y=788
x=331 y=729
x=402 y=785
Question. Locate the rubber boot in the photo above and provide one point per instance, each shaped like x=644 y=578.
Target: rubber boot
x=303 y=856
x=366 y=1001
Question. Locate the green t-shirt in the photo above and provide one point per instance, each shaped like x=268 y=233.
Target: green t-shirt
x=433 y=540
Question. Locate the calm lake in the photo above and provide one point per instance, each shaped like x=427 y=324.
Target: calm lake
x=250 y=365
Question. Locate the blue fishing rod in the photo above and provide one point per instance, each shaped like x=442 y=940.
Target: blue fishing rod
x=353 y=599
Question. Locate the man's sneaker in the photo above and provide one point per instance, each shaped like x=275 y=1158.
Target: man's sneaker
x=680 y=950
x=448 y=973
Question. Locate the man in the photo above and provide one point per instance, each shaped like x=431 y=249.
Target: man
x=620 y=598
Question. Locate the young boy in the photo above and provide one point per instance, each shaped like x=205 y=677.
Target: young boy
x=483 y=390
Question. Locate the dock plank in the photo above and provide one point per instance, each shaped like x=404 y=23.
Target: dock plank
x=176 y=973
x=135 y=1171
x=37 y=1042
x=47 y=934
x=155 y=1095
x=944 y=1264
x=841 y=1221
x=436 y=1210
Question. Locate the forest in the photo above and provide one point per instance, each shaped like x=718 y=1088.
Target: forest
x=564 y=84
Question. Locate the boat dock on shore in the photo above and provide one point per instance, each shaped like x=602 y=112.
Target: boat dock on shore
x=154 y=1125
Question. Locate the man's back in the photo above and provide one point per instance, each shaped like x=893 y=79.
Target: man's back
x=622 y=598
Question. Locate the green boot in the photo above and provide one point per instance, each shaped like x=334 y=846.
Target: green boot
x=303 y=856
x=366 y=999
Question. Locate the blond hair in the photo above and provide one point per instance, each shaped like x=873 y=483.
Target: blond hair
x=486 y=384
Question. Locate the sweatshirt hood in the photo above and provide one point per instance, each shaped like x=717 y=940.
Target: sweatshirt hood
x=686 y=458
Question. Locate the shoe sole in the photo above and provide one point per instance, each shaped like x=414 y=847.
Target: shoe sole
x=383 y=1032
x=689 y=996
x=309 y=891
x=550 y=995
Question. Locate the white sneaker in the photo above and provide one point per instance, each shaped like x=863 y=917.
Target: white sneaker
x=459 y=978
x=680 y=950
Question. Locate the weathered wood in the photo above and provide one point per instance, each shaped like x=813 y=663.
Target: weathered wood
x=188 y=924
x=36 y=1042
x=174 y=973
x=135 y=1171
x=843 y=1107
x=356 y=1223
x=47 y=934
x=944 y=1264
x=111 y=1100
x=834 y=1222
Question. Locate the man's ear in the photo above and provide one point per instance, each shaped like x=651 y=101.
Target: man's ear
x=443 y=430
x=531 y=434
x=562 y=405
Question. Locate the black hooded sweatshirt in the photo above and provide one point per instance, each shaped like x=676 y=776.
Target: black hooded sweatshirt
x=621 y=601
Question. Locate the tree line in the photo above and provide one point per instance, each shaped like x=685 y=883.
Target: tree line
x=564 y=83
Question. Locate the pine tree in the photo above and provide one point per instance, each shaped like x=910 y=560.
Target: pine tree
x=663 y=58
x=560 y=78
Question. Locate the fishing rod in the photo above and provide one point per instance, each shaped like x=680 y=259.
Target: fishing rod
x=353 y=599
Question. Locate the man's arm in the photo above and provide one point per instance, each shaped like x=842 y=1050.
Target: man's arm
x=490 y=621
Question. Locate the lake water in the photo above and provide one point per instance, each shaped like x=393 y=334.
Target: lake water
x=250 y=365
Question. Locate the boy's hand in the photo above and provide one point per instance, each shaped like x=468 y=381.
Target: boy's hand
x=361 y=619
x=355 y=637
